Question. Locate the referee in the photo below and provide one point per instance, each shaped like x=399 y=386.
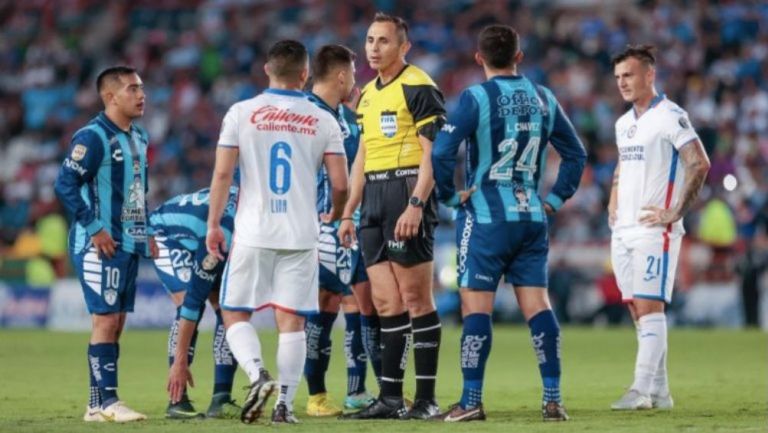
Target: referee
x=399 y=114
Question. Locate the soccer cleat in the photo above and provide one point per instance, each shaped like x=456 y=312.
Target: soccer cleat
x=223 y=407
x=662 y=401
x=381 y=408
x=358 y=401
x=258 y=394
x=182 y=410
x=320 y=405
x=553 y=411
x=281 y=415
x=93 y=414
x=456 y=413
x=422 y=409
x=119 y=412
x=632 y=400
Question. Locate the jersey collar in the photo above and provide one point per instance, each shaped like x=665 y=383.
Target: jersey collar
x=507 y=77
x=380 y=86
x=654 y=102
x=284 y=92
x=111 y=125
x=323 y=104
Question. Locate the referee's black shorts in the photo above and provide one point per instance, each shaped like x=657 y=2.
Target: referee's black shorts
x=385 y=198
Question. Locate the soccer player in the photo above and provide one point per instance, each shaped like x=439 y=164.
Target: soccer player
x=662 y=166
x=103 y=185
x=333 y=76
x=191 y=275
x=501 y=228
x=279 y=139
x=399 y=114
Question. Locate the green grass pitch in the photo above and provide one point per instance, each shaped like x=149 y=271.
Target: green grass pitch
x=719 y=381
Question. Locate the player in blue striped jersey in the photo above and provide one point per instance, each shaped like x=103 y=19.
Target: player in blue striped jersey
x=343 y=280
x=507 y=122
x=103 y=186
x=191 y=275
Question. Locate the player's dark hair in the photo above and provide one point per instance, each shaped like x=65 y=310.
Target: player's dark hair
x=498 y=44
x=400 y=25
x=112 y=74
x=287 y=58
x=643 y=53
x=328 y=58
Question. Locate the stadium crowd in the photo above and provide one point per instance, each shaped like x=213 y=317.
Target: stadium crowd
x=198 y=57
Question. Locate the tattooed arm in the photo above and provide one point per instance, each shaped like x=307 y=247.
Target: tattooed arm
x=696 y=166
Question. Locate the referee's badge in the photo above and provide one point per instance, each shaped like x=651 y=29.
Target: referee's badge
x=388 y=123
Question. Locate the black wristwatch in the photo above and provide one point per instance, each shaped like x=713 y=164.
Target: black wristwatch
x=416 y=202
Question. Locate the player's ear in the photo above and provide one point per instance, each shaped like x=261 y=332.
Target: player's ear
x=304 y=75
x=479 y=58
x=518 y=57
x=404 y=48
x=267 y=69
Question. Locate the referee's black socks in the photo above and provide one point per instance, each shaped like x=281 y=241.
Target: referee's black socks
x=395 y=339
x=426 y=347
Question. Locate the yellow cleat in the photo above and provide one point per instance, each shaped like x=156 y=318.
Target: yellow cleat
x=319 y=405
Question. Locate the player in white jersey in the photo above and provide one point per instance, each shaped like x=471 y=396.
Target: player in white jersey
x=279 y=139
x=662 y=166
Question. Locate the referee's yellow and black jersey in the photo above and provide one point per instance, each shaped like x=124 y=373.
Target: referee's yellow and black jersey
x=391 y=115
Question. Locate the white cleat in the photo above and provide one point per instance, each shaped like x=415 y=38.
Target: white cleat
x=632 y=400
x=93 y=414
x=119 y=412
x=662 y=401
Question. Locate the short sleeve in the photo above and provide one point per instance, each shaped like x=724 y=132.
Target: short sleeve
x=229 y=129
x=425 y=102
x=335 y=142
x=681 y=131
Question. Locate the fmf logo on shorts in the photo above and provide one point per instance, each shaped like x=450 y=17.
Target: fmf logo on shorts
x=388 y=123
x=396 y=245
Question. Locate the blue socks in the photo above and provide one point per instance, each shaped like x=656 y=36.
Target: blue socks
x=224 y=363
x=476 y=341
x=102 y=359
x=545 y=336
x=318 y=330
x=357 y=361
x=94 y=398
x=370 y=331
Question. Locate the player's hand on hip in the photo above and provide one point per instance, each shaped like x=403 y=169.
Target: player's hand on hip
x=347 y=233
x=104 y=244
x=408 y=224
x=215 y=242
x=178 y=378
x=153 y=250
x=656 y=216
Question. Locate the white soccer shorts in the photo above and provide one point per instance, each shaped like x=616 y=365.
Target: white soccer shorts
x=645 y=265
x=257 y=278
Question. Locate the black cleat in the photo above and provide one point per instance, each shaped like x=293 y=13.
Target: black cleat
x=456 y=414
x=381 y=408
x=553 y=411
x=258 y=394
x=182 y=410
x=223 y=407
x=281 y=415
x=422 y=409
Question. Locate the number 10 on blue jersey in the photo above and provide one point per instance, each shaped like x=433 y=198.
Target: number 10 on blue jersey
x=279 y=175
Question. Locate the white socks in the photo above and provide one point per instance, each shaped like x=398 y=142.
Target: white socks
x=651 y=347
x=660 y=384
x=246 y=347
x=291 y=354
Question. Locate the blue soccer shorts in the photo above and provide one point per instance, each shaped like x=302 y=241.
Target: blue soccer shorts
x=340 y=267
x=109 y=285
x=515 y=249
